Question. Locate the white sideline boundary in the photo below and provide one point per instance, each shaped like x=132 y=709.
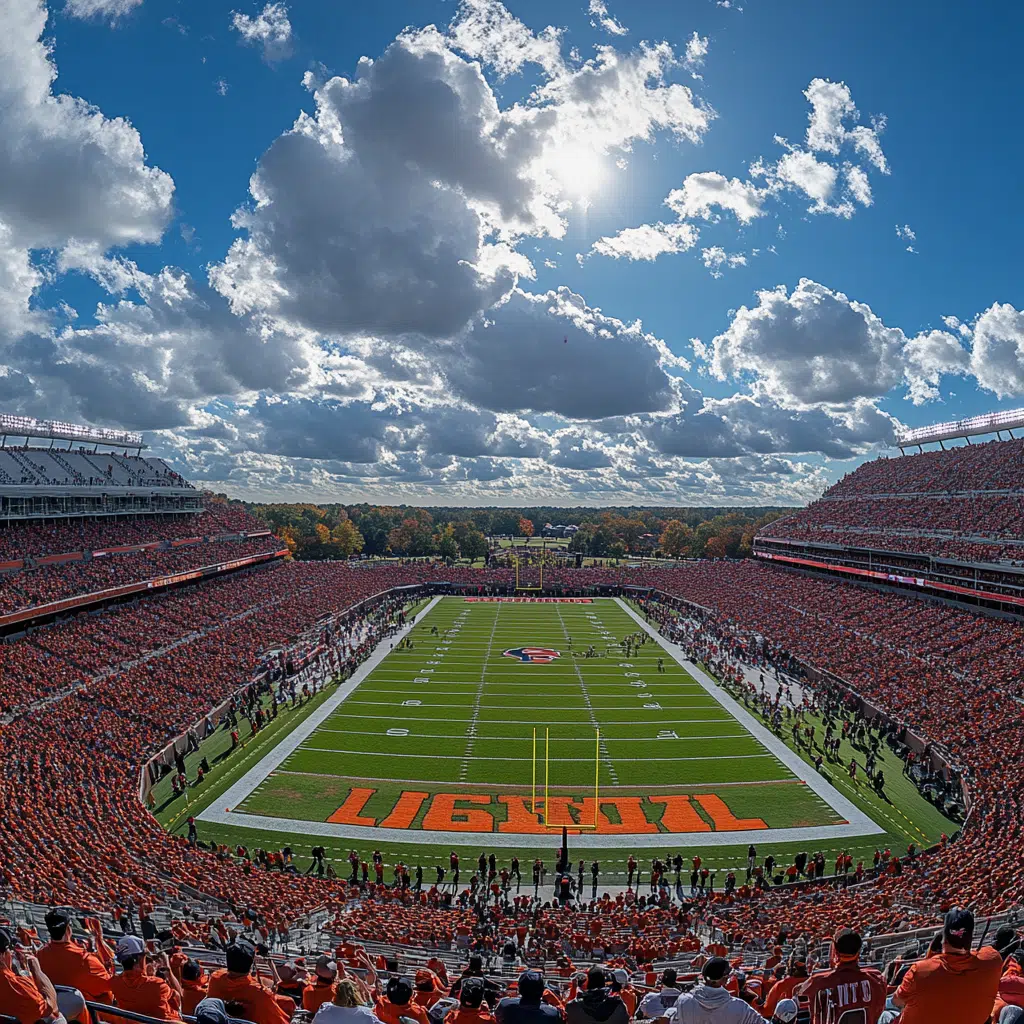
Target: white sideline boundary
x=858 y=823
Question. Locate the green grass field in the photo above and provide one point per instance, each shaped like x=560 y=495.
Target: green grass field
x=456 y=714
x=453 y=716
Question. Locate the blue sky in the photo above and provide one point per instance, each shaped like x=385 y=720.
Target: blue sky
x=420 y=279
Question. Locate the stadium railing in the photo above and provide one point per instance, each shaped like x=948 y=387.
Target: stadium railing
x=141 y=1018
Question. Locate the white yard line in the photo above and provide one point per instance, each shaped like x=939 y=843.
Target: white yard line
x=504 y=757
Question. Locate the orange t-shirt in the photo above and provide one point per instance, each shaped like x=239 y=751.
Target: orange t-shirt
x=316 y=994
x=146 y=993
x=628 y=996
x=781 y=990
x=388 y=1012
x=192 y=993
x=67 y=963
x=20 y=998
x=951 y=986
x=261 y=1006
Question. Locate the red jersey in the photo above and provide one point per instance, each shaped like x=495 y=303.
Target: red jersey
x=836 y=996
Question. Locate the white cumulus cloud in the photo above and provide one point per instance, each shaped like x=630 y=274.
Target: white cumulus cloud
x=270 y=29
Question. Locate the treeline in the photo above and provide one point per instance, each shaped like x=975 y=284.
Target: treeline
x=340 y=531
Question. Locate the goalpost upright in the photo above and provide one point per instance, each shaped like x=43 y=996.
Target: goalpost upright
x=547 y=781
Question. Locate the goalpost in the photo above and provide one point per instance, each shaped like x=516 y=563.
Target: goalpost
x=540 y=582
x=547 y=780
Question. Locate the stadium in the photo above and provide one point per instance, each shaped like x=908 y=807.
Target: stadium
x=510 y=512
x=206 y=738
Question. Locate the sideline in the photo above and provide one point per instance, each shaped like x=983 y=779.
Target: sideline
x=858 y=823
x=793 y=761
x=241 y=789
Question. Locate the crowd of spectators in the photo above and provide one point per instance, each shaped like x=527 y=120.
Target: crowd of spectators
x=993 y=466
x=123 y=682
x=965 y=504
x=33 y=538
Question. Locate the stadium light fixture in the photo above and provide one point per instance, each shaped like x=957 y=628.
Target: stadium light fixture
x=990 y=423
x=29 y=426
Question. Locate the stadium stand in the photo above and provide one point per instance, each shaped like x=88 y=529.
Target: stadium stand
x=941 y=517
x=85 y=702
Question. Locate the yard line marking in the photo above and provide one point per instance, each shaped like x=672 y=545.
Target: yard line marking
x=572 y=760
x=532 y=707
x=526 y=739
x=515 y=721
x=499 y=787
x=471 y=730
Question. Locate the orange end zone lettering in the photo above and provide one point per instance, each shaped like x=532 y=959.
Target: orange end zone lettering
x=680 y=815
x=348 y=812
x=631 y=815
x=403 y=814
x=441 y=816
x=520 y=819
x=723 y=818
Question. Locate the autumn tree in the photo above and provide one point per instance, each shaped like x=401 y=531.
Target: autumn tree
x=347 y=538
x=414 y=535
x=445 y=544
x=675 y=538
x=473 y=545
x=525 y=527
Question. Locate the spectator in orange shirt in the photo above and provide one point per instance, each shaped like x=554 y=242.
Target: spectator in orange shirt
x=137 y=989
x=65 y=962
x=236 y=983
x=325 y=984
x=27 y=999
x=292 y=980
x=796 y=975
x=428 y=988
x=397 y=1002
x=193 y=986
x=957 y=985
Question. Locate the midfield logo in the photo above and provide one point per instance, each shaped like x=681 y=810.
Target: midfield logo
x=533 y=655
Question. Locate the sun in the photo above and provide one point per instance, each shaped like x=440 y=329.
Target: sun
x=579 y=170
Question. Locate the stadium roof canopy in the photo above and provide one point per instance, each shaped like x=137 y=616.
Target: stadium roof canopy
x=990 y=423
x=29 y=426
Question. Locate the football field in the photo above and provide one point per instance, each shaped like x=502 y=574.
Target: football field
x=439 y=738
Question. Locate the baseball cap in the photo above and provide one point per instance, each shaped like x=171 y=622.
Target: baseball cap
x=716 y=969
x=621 y=977
x=846 y=942
x=424 y=980
x=211 y=1011
x=958 y=928
x=399 y=991
x=239 y=956
x=786 y=1011
x=531 y=985
x=129 y=947
x=471 y=995
x=326 y=968
x=1006 y=940
x=6 y=940
x=57 y=922
x=191 y=970
x=290 y=970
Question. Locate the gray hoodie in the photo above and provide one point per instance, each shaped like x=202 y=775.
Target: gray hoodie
x=708 y=1004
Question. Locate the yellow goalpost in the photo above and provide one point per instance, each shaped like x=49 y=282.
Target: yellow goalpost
x=547 y=780
x=540 y=582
